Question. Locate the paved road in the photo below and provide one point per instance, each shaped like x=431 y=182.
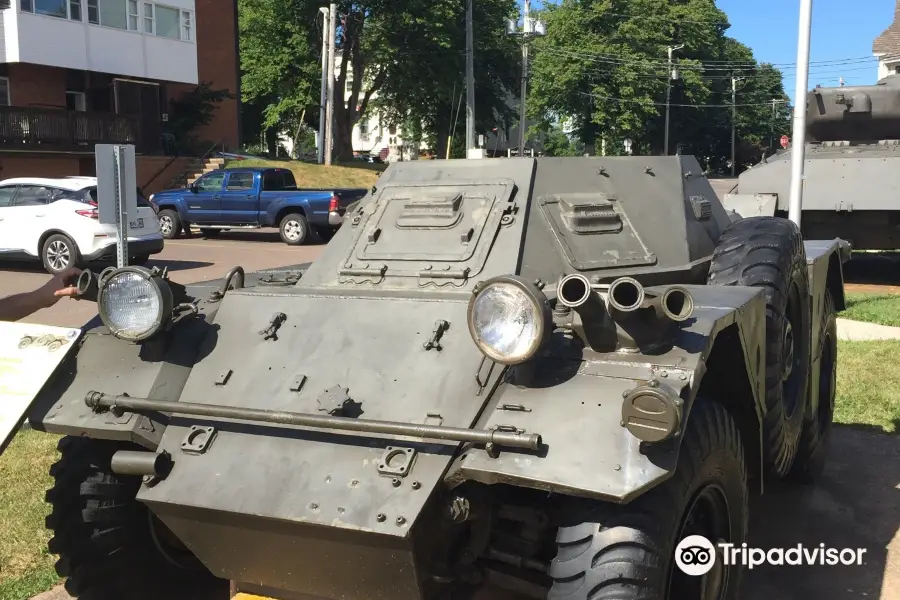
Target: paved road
x=188 y=260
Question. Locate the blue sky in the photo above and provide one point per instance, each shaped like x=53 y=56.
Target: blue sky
x=840 y=30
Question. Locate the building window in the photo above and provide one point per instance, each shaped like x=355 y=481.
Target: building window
x=109 y=13
x=897 y=70
x=76 y=101
x=187 y=27
x=148 y=18
x=167 y=22
x=4 y=91
x=364 y=130
x=133 y=16
x=64 y=9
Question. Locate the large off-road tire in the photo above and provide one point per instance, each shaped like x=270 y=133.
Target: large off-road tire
x=169 y=223
x=628 y=552
x=59 y=252
x=110 y=547
x=294 y=229
x=768 y=252
x=814 y=440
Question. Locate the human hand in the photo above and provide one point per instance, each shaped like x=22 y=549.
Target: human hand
x=62 y=285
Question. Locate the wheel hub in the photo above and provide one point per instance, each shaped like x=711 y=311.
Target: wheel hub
x=58 y=255
x=292 y=230
x=787 y=346
x=165 y=224
x=708 y=516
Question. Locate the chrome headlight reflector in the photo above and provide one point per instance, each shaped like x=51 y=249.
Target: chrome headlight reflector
x=134 y=303
x=509 y=319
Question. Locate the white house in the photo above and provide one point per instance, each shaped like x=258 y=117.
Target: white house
x=887 y=47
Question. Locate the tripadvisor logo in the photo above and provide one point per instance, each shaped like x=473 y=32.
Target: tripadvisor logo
x=695 y=555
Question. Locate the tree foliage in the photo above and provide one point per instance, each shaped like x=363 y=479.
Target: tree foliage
x=409 y=55
x=603 y=65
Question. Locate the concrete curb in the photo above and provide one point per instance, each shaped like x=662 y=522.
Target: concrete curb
x=858 y=331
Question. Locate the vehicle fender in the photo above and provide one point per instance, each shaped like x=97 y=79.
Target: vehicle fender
x=176 y=201
x=576 y=404
x=275 y=207
x=742 y=206
x=825 y=265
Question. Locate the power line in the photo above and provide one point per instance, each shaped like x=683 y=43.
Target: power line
x=647 y=103
x=706 y=66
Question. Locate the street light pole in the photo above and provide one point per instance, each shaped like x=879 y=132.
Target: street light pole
x=526 y=27
x=470 y=80
x=798 y=148
x=670 y=76
x=323 y=93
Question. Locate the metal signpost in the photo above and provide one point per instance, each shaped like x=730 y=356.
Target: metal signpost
x=798 y=156
x=117 y=193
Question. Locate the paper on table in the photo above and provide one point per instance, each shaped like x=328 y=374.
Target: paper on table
x=29 y=355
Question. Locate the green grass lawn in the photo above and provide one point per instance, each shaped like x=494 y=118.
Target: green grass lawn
x=26 y=567
x=311 y=175
x=883 y=309
x=868 y=394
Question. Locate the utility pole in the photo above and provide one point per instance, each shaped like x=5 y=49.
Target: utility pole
x=530 y=28
x=734 y=81
x=671 y=76
x=323 y=94
x=329 y=113
x=798 y=147
x=470 y=80
x=523 y=92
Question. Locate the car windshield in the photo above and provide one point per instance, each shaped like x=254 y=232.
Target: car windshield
x=141 y=201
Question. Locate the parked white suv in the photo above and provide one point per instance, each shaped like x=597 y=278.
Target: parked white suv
x=56 y=221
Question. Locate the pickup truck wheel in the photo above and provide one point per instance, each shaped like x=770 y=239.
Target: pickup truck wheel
x=294 y=229
x=169 y=223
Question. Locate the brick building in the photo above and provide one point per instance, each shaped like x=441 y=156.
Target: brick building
x=74 y=73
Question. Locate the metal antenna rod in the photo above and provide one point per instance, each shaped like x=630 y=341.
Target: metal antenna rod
x=798 y=148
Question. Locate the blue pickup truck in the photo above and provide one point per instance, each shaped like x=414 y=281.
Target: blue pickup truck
x=251 y=198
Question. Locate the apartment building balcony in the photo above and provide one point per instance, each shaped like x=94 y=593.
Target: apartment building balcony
x=57 y=130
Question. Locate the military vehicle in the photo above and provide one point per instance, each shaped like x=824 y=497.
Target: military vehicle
x=534 y=374
x=851 y=169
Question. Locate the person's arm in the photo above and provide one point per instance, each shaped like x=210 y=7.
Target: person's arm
x=19 y=306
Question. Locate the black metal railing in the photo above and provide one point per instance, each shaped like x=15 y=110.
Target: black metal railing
x=29 y=128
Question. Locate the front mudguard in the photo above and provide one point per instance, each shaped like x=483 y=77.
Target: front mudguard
x=575 y=404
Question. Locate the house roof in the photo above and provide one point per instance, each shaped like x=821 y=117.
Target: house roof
x=888 y=43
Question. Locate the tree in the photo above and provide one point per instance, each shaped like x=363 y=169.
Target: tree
x=603 y=64
x=280 y=48
x=409 y=54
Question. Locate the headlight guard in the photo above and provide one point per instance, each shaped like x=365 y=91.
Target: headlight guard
x=134 y=302
x=509 y=319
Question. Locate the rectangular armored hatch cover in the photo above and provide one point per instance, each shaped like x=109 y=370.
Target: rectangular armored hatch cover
x=594 y=231
x=422 y=225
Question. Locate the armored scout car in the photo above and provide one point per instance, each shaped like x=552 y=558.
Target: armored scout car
x=539 y=374
x=851 y=168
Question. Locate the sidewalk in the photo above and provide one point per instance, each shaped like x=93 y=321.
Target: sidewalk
x=858 y=331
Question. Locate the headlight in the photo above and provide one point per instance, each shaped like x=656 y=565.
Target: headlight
x=509 y=319
x=134 y=303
